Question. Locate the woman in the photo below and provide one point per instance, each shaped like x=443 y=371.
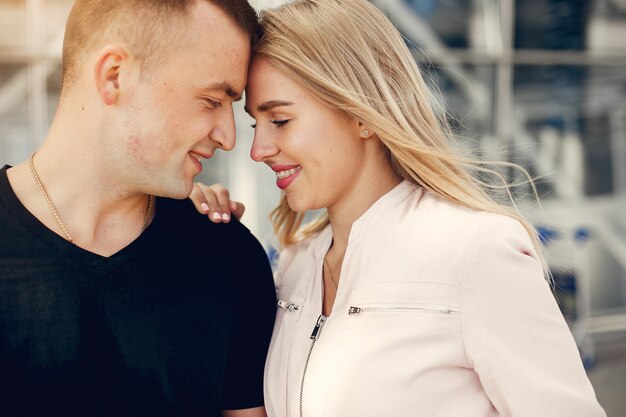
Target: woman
x=416 y=293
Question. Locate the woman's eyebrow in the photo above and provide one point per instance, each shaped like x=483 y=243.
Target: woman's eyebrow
x=268 y=105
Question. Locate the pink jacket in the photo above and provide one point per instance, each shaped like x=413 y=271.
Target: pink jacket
x=441 y=312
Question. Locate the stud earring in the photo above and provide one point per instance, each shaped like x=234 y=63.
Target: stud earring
x=366 y=132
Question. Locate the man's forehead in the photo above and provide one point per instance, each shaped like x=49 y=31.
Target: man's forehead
x=219 y=51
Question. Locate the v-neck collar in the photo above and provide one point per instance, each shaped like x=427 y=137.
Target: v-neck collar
x=68 y=250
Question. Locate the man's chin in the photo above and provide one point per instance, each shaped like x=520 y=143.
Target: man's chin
x=178 y=193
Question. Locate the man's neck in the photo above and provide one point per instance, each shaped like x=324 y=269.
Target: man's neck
x=100 y=214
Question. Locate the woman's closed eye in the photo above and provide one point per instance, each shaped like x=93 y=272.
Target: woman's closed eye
x=279 y=123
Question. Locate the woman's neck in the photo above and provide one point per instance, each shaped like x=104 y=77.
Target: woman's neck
x=371 y=187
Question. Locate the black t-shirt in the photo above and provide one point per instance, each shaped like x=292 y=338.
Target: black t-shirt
x=176 y=324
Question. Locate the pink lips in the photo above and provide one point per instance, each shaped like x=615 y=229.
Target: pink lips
x=195 y=161
x=283 y=183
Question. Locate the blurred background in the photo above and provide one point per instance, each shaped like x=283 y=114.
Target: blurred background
x=541 y=83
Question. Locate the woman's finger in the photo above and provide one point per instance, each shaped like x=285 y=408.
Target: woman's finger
x=198 y=199
x=237 y=209
x=223 y=201
x=207 y=202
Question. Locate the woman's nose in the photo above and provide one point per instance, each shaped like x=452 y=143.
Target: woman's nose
x=262 y=147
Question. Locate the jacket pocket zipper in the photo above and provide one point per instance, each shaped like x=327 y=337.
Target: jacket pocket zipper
x=289 y=306
x=400 y=309
x=314 y=336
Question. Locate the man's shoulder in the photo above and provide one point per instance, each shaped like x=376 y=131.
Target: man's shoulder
x=181 y=229
x=182 y=216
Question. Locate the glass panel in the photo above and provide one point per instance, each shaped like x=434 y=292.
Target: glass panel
x=607 y=26
x=13 y=35
x=447 y=20
x=467 y=91
x=53 y=84
x=14 y=116
x=550 y=24
x=569 y=128
x=55 y=13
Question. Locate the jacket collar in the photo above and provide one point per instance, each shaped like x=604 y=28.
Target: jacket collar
x=371 y=217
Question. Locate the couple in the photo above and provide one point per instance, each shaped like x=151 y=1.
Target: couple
x=415 y=294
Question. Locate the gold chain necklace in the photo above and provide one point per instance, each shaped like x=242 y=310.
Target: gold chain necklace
x=146 y=219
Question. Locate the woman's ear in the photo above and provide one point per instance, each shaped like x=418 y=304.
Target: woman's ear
x=109 y=65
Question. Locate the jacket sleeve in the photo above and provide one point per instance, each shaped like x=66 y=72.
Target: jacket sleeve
x=514 y=333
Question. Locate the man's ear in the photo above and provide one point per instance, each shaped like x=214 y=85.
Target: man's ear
x=109 y=65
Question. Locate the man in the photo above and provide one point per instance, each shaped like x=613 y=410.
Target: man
x=115 y=299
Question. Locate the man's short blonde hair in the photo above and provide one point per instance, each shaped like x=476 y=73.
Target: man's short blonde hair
x=150 y=29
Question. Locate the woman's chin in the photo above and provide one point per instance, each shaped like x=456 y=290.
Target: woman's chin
x=299 y=206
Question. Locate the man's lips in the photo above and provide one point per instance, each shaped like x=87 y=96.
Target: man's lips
x=197 y=158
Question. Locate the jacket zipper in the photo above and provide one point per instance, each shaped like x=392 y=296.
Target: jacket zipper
x=289 y=306
x=314 y=336
x=399 y=309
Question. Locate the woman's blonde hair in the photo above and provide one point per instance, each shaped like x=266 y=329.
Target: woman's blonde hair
x=351 y=57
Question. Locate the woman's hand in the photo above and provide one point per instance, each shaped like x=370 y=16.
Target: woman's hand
x=214 y=201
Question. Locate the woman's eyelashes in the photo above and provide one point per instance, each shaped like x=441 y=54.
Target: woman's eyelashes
x=278 y=123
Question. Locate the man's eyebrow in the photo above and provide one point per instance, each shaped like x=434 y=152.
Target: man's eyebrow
x=225 y=87
x=268 y=105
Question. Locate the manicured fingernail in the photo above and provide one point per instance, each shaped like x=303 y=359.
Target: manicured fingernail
x=204 y=207
x=225 y=217
x=216 y=216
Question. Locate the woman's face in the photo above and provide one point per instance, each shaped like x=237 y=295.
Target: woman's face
x=316 y=152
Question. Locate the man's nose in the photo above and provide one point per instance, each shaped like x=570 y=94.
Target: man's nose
x=224 y=132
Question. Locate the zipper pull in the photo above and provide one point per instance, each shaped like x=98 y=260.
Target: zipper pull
x=354 y=310
x=318 y=327
x=286 y=305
